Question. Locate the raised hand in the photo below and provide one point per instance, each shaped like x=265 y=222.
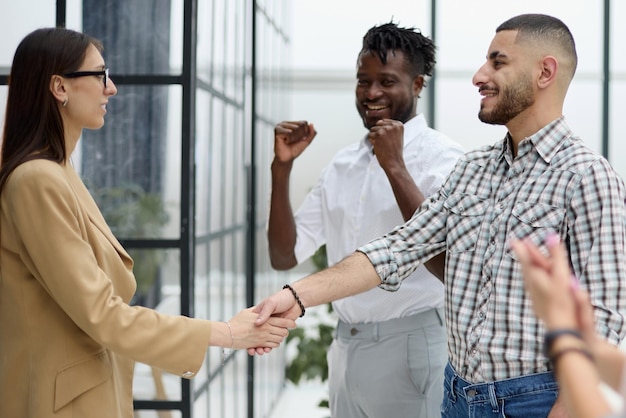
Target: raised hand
x=291 y=138
x=387 y=138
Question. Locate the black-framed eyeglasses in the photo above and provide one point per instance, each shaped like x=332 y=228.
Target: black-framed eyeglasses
x=103 y=73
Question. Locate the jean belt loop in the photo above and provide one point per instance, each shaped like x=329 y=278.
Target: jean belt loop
x=452 y=389
x=492 y=397
x=375 y=333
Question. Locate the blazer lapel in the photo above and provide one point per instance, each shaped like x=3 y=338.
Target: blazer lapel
x=90 y=207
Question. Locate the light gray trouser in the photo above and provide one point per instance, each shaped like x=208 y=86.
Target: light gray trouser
x=390 y=369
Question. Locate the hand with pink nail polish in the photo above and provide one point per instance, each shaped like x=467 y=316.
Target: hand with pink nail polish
x=561 y=303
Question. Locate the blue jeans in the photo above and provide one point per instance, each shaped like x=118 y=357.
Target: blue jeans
x=521 y=397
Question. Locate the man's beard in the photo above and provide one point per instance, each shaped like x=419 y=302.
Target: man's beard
x=512 y=101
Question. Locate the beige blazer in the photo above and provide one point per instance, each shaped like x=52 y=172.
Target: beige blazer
x=68 y=338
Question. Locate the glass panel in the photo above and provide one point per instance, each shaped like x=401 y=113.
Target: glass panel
x=462 y=44
x=153 y=384
x=220 y=279
x=158 y=286
x=18 y=19
x=204 y=173
x=227 y=395
x=618 y=34
x=234 y=173
x=274 y=103
x=132 y=165
x=221 y=46
x=585 y=123
x=457 y=114
x=74 y=15
x=339 y=27
x=176 y=36
x=227 y=175
x=138 y=36
x=204 y=43
x=212 y=43
x=157 y=414
x=216 y=153
x=617 y=147
x=234 y=54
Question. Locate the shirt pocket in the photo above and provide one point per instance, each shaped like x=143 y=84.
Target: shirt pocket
x=465 y=216
x=533 y=220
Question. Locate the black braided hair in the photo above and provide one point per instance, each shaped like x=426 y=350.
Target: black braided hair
x=417 y=48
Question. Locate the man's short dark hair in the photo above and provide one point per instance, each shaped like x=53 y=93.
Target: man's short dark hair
x=546 y=29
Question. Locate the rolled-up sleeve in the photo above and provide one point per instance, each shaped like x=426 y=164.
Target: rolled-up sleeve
x=397 y=254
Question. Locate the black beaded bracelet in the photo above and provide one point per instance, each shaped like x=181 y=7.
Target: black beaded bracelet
x=295 y=295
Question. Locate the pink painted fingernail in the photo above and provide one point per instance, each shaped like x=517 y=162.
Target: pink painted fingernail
x=552 y=239
x=574 y=283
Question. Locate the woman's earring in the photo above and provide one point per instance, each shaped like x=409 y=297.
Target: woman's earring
x=65 y=102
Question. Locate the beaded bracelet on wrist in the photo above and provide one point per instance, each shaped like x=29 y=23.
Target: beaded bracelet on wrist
x=295 y=295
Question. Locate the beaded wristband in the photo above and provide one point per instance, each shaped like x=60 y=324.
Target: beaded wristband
x=232 y=343
x=295 y=295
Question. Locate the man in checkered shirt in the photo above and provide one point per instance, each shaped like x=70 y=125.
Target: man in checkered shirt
x=539 y=178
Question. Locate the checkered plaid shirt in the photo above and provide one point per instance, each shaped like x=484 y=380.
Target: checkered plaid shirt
x=554 y=183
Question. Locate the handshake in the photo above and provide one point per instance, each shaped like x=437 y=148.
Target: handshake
x=263 y=327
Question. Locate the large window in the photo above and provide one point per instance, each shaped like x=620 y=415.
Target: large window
x=180 y=170
x=324 y=75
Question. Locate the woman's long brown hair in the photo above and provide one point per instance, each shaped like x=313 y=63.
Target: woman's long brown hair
x=33 y=127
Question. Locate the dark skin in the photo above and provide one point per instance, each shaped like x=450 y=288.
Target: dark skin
x=386 y=97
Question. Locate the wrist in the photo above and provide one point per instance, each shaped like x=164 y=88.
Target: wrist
x=296 y=297
x=558 y=354
x=281 y=166
x=230 y=342
x=555 y=325
x=558 y=338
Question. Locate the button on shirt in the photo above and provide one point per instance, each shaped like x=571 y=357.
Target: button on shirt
x=555 y=183
x=353 y=203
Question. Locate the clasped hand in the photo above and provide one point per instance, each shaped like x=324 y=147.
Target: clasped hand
x=281 y=306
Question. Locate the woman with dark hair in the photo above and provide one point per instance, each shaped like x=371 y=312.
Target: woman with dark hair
x=68 y=336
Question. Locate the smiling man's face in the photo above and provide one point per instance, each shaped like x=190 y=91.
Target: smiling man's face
x=385 y=91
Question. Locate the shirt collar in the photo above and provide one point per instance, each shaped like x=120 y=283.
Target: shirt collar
x=547 y=141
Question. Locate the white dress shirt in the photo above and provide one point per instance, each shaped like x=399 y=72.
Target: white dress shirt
x=353 y=203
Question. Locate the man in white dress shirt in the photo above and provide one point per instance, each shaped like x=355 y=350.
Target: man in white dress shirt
x=389 y=351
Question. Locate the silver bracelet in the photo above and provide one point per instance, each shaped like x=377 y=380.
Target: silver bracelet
x=232 y=343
